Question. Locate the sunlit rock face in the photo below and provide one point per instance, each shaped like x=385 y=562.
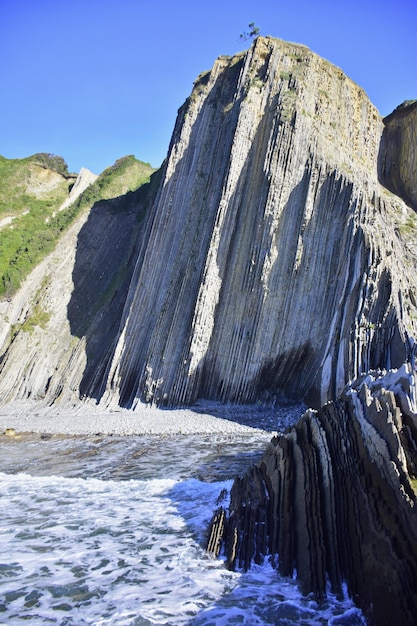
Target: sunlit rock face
x=274 y=264
x=268 y=263
x=331 y=501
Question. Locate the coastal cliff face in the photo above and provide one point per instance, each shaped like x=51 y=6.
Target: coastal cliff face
x=272 y=264
x=331 y=501
x=276 y=265
x=272 y=257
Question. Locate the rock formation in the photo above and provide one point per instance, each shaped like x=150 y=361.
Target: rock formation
x=275 y=264
x=398 y=158
x=332 y=501
x=83 y=180
x=272 y=264
x=272 y=257
x=57 y=330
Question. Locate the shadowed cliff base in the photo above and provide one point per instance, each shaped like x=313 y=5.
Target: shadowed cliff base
x=107 y=247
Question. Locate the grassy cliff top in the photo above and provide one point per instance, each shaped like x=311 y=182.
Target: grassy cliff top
x=127 y=174
x=32 y=191
x=40 y=177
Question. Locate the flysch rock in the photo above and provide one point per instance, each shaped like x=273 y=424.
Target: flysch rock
x=331 y=501
x=274 y=265
x=84 y=179
x=271 y=264
x=272 y=257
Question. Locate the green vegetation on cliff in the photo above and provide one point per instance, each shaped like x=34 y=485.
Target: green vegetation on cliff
x=24 y=181
x=31 y=192
x=127 y=174
x=52 y=162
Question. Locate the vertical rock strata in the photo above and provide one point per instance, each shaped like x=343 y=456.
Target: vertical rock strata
x=58 y=331
x=274 y=265
x=273 y=256
x=332 y=501
x=269 y=262
x=397 y=156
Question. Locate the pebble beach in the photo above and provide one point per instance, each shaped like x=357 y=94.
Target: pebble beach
x=89 y=419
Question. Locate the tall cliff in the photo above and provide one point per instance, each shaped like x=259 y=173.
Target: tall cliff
x=272 y=263
x=276 y=265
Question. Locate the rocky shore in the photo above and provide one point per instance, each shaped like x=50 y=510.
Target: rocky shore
x=333 y=499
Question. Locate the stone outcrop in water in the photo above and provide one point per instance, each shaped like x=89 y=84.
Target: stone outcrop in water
x=332 y=500
x=272 y=263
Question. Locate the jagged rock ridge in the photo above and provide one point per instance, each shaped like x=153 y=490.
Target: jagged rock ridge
x=332 y=500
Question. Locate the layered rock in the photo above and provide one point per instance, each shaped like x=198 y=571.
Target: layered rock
x=58 y=330
x=267 y=262
x=274 y=265
x=398 y=157
x=84 y=179
x=332 y=500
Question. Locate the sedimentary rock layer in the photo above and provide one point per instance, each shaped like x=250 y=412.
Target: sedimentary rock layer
x=398 y=152
x=58 y=331
x=331 y=499
x=272 y=263
x=274 y=266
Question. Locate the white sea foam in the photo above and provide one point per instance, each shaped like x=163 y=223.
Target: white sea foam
x=110 y=531
x=110 y=547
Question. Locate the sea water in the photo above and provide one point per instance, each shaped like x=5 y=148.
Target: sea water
x=111 y=530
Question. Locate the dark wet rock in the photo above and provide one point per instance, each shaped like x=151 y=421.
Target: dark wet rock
x=332 y=498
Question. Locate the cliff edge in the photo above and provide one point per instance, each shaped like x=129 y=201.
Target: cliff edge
x=397 y=157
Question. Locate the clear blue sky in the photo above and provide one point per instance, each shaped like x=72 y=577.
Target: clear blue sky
x=95 y=80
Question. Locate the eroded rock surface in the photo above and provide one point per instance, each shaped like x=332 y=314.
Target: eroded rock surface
x=398 y=152
x=272 y=264
x=275 y=265
x=58 y=331
x=332 y=499
x=83 y=180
